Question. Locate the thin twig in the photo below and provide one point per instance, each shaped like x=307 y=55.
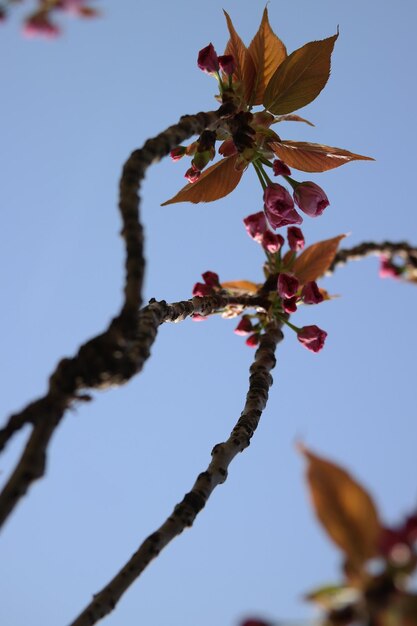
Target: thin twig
x=194 y=501
x=388 y=248
x=113 y=357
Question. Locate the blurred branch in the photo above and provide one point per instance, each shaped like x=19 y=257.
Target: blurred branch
x=403 y=249
x=194 y=501
x=113 y=357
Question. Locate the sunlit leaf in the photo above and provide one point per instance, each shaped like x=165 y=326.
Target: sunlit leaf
x=245 y=69
x=267 y=52
x=300 y=78
x=332 y=596
x=240 y=286
x=344 y=508
x=291 y=117
x=215 y=182
x=313 y=157
x=315 y=260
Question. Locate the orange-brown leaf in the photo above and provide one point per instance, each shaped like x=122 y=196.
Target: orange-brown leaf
x=245 y=69
x=215 y=182
x=344 y=508
x=316 y=259
x=313 y=157
x=240 y=286
x=300 y=78
x=267 y=52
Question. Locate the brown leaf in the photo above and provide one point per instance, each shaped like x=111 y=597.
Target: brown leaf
x=300 y=78
x=313 y=157
x=267 y=52
x=344 y=508
x=291 y=117
x=316 y=259
x=215 y=182
x=240 y=286
x=245 y=69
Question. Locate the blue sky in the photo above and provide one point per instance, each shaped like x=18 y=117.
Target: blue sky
x=72 y=110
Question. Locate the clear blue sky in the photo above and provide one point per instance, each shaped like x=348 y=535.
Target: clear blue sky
x=72 y=110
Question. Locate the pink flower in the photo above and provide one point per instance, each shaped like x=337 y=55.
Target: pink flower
x=279 y=207
x=310 y=198
x=211 y=279
x=252 y=340
x=227 y=64
x=201 y=290
x=312 y=337
x=290 y=304
x=387 y=269
x=272 y=242
x=280 y=168
x=208 y=60
x=311 y=293
x=244 y=327
x=296 y=239
x=192 y=174
x=177 y=153
x=288 y=285
x=256 y=225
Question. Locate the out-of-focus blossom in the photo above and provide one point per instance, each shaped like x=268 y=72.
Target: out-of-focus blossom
x=244 y=327
x=227 y=64
x=255 y=225
x=280 y=168
x=295 y=238
x=287 y=285
x=272 y=242
x=192 y=174
x=311 y=293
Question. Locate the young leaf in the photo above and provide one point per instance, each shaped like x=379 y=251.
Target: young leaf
x=215 y=182
x=291 y=117
x=344 y=508
x=316 y=259
x=239 y=287
x=313 y=157
x=245 y=69
x=267 y=52
x=300 y=78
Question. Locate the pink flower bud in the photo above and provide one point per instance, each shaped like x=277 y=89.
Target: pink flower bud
x=312 y=337
x=201 y=290
x=177 y=153
x=227 y=64
x=311 y=293
x=272 y=242
x=295 y=238
x=279 y=207
x=211 y=279
x=198 y=318
x=280 y=168
x=290 y=304
x=252 y=340
x=208 y=60
x=228 y=148
x=288 y=285
x=39 y=26
x=192 y=174
x=244 y=327
x=387 y=269
x=256 y=225
x=310 y=198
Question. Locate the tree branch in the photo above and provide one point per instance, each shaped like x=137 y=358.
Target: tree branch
x=194 y=501
x=113 y=357
x=402 y=249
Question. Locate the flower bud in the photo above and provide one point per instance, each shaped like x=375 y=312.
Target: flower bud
x=310 y=198
x=252 y=341
x=272 y=242
x=177 y=153
x=192 y=174
x=244 y=327
x=228 y=148
x=208 y=60
x=256 y=225
x=279 y=207
x=287 y=285
x=201 y=290
x=290 y=304
x=311 y=293
x=312 y=337
x=227 y=64
x=387 y=268
x=280 y=168
x=295 y=238
x=211 y=279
